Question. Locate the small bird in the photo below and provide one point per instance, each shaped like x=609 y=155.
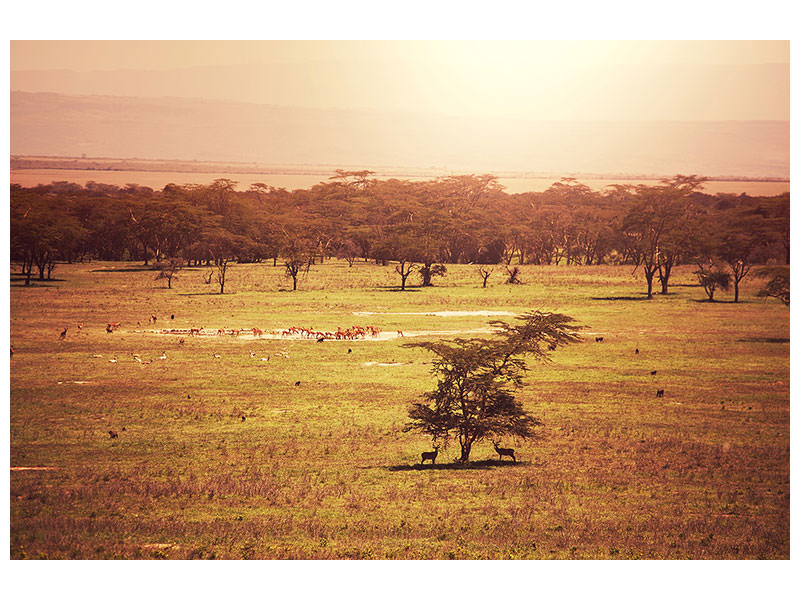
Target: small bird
x=637 y=351
x=172 y=316
x=188 y=396
x=64 y=333
x=349 y=350
x=243 y=419
x=653 y=372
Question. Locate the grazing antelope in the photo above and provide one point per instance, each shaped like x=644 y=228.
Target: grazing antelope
x=431 y=456
x=504 y=452
x=660 y=394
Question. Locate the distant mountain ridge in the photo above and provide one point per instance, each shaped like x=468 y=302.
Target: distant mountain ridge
x=188 y=129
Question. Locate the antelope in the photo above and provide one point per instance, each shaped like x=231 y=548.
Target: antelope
x=431 y=456
x=504 y=452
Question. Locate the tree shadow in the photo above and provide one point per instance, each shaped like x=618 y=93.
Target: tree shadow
x=715 y=301
x=765 y=340
x=20 y=283
x=203 y=293
x=624 y=298
x=397 y=288
x=457 y=466
x=123 y=269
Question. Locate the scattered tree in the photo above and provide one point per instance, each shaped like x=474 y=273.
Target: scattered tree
x=777 y=286
x=485 y=272
x=168 y=269
x=513 y=275
x=711 y=278
x=477 y=380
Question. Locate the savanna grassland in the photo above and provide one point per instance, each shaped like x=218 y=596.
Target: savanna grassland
x=323 y=469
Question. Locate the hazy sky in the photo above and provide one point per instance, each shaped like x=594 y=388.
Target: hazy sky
x=564 y=80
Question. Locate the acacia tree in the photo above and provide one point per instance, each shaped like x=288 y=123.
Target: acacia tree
x=739 y=239
x=654 y=226
x=478 y=378
x=777 y=286
x=168 y=270
x=712 y=278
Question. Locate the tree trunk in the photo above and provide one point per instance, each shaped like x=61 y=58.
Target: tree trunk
x=649 y=276
x=466 y=448
x=426 y=275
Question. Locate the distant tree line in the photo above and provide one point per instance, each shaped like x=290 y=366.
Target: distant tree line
x=419 y=226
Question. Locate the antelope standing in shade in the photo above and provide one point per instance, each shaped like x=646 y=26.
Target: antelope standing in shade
x=431 y=456
x=504 y=452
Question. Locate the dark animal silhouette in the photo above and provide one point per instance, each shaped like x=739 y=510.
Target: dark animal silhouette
x=504 y=452
x=349 y=350
x=637 y=351
x=123 y=429
x=660 y=394
x=431 y=456
x=64 y=333
x=598 y=339
x=243 y=419
x=653 y=372
x=320 y=340
x=172 y=316
x=113 y=434
x=297 y=383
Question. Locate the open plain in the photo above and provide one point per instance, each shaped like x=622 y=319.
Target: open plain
x=269 y=448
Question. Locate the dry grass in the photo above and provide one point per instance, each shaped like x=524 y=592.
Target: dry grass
x=323 y=470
